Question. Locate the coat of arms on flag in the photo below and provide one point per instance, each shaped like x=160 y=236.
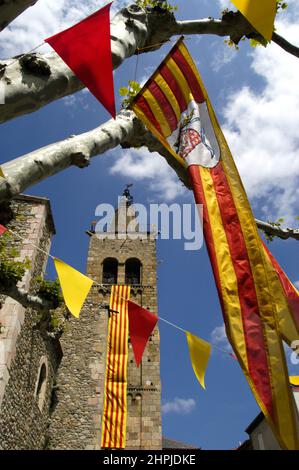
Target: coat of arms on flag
x=174 y=108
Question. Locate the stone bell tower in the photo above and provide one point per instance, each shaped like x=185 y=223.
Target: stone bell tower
x=78 y=396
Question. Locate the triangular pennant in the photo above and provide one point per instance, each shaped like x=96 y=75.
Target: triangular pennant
x=260 y=14
x=2 y=229
x=1 y=173
x=74 y=285
x=200 y=352
x=141 y=324
x=86 y=49
x=294 y=380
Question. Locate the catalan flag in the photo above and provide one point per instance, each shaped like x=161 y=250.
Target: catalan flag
x=175 y=107
x=114 y=417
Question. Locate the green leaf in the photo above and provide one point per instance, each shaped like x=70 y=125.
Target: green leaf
x=123 y=91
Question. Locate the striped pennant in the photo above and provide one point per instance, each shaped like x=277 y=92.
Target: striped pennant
x=114 y=417
x=175 y=96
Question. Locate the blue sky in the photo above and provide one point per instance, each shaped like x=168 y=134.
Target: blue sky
x=256 y=97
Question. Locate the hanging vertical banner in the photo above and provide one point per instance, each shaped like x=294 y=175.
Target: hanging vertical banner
x=114 y=417
x=174 y=105
x=260 y=14
x=75 y=286
x=86 y=49
x=200 y=351
x=141 y=325
x=286 y=299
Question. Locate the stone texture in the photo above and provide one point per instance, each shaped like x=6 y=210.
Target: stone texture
x=71 y=414
x=23 y=425
x=76 y=420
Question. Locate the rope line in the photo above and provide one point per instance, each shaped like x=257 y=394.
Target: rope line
x=29 y=52
x=122 y=298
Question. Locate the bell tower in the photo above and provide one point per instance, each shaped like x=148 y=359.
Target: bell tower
x=114 y=257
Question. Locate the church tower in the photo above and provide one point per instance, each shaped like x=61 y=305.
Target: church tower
x=79 y=392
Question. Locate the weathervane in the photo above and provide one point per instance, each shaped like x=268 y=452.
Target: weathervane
x=127 y=194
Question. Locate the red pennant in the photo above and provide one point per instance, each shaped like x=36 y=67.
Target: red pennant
x=141 y=324
x=86 y=49
x=2 y=229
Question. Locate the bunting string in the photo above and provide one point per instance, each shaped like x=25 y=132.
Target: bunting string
x=48 y=254
x=177 y=327
x=30 y=243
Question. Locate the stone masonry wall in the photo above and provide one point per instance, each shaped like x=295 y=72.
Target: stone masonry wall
x=24 y=413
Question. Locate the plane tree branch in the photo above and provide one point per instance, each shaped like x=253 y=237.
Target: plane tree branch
x=31 y=81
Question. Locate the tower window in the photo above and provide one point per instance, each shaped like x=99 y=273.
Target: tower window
x=41 y=383
x=133 y=271
x=110 y=266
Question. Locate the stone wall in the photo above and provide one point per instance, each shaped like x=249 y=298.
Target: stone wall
x=76 y=420
x=25 y=395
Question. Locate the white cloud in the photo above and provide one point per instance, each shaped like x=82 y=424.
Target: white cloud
x=296 y=284
x=226 y=4
x=218 y=335
x=150 y=167
x=219 y=338
x=262 y=128
x=223 y=56
x=181 y=406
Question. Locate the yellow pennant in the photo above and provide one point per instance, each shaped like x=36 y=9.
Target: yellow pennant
x=74 y=285
x=1 y=173
x=294 y=380
x=200 y=352
x=260 y=14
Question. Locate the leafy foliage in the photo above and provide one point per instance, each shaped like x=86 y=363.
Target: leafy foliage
x=255 y=39
x=269 y=237
x=162 y=5
x=53 y=323
x=11 y=271
x=129 y=92
x=49 y=290
x=281 y=5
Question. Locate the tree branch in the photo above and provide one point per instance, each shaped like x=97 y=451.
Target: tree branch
x=32 y=81
x=126 y=130
x=10 y=9
x=284 y=44
x=23 y=172
x=277 y=231
x=27 y=300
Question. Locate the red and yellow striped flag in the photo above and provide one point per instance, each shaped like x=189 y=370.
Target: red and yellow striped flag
x=175 y=107
x=114 y=418
x=286 y=299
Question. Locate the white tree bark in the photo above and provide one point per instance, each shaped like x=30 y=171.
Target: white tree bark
x=11 y=9
x=32 y=81
x=25 y=171
x=126 y=130
x=277 y=231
